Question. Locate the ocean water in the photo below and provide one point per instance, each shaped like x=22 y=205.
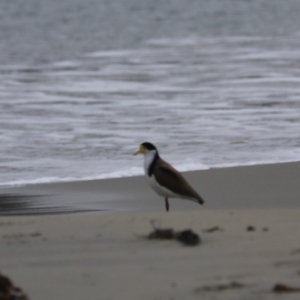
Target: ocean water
x=205 y=100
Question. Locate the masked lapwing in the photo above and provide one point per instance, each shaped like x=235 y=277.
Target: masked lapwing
x=164 y=179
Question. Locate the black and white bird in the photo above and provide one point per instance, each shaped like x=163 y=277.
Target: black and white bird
x=164 y=179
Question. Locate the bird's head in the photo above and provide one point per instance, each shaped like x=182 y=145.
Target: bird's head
x=146 y=148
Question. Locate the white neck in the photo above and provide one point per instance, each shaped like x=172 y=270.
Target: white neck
x=148 y=159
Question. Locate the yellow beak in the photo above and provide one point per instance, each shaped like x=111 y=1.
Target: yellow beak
x=140 y=151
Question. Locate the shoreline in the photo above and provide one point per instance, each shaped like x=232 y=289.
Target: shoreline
x=109 y=176
x=242 y=187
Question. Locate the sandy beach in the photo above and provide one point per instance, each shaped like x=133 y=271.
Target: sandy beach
x=105 y=254
x=212 y=84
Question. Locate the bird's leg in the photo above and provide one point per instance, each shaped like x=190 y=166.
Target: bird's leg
x=167 y=204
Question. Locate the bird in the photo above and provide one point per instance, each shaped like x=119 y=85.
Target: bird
x=165 y=180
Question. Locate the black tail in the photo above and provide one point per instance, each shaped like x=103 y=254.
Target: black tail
x=201 y=201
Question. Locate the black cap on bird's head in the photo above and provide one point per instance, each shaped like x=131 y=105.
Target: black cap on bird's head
x=148 y=146
x=144 y=147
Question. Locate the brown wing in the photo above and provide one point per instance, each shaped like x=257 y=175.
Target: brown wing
x=171 y=179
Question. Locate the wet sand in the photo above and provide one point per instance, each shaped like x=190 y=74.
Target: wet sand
x=104 y=255
x=259 y=186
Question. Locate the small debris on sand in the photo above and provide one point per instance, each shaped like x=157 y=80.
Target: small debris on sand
x=295 y=252
x=250 y=228
x=161 y=234
x=283 y=288
x=220 y=287
x=213 y=229
x=186 y=237
x=9 y=292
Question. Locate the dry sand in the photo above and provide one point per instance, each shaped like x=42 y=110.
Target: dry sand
x=106 y=255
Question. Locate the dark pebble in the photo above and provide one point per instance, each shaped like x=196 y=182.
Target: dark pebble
x=250 y=228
